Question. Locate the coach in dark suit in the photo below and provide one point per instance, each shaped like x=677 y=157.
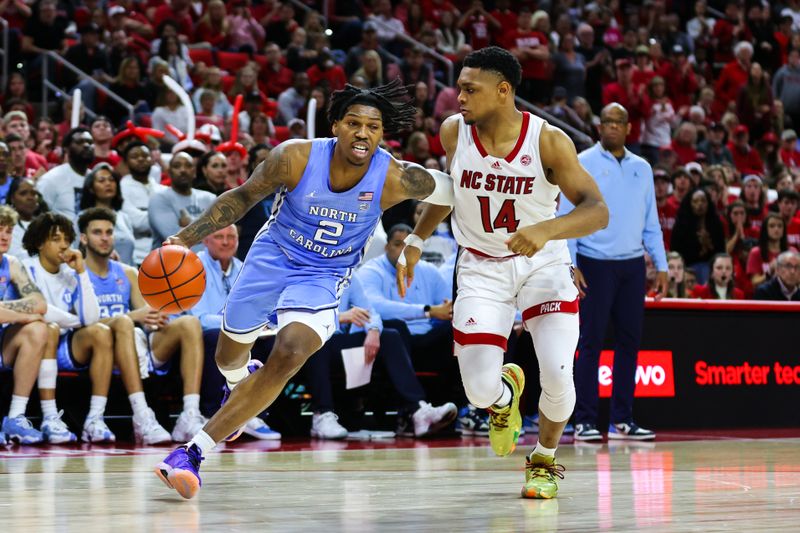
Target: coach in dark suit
x=785 y=286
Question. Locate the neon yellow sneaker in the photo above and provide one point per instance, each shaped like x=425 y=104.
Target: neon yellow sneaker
x=505 y=423
x=541 y=472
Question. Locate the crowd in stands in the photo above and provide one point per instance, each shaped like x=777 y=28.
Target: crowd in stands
x=712 y=90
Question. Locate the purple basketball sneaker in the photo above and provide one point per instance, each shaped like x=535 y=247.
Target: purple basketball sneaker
x=252 y=366
x=181 y=471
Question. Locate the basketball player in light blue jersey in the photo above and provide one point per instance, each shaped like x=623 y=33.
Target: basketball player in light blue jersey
x=330 y=196
x=121 y=308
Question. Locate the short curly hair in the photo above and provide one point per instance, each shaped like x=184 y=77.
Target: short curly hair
x=43 y=228
x=498 y=60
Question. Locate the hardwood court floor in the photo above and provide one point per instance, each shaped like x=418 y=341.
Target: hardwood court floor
x=683 y=482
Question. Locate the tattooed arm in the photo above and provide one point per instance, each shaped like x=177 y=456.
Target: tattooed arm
x=31 y=300
x=280 y=168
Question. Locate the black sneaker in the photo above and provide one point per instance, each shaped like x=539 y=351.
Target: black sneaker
x=405 y=425
x=629 y=432
x=587 y=432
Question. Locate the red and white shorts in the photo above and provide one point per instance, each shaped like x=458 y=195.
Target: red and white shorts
x=491 y=290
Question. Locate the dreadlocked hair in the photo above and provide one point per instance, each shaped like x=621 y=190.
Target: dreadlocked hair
x=392 y=100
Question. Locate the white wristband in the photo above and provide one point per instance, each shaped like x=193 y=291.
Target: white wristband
x=414 y=240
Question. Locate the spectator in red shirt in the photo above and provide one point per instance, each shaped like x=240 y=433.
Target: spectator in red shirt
x=788 y=201
x=530 y=48
x=20 y=165
x=788 y=151
x=685 y=143
x=102 y=133
x=720 y=284
x=681 y=183
x=179 y=11
x=325 y=70
x=771 y=242
x=631 y=97
x=745 y=158
x=755 y=200
x=16 y=122
x=783 y=37
x=46 y=141
x=275 y=77
x=479 y=24
x=666 y=210
x=506 y=17
x=680 y=79
x=214 y=28
x=728 y=30
x=732 y=78
x=433 y=9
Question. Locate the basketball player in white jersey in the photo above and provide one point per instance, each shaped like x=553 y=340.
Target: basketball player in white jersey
x=508 y=168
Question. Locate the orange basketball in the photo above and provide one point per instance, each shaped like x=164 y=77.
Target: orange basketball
x=172 y=279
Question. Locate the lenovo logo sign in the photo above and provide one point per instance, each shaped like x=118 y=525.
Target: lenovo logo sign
x=654 y=375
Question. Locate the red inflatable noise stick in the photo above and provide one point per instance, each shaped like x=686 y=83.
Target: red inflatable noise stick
x=135 y=131
x=202 y=137
x=233 y=145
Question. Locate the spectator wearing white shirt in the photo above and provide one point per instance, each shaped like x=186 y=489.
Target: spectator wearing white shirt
x=60 y=273
x=62 y=186
x=137 y=189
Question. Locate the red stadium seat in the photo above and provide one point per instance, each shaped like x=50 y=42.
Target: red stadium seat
x=232 y=61
x=204 y=55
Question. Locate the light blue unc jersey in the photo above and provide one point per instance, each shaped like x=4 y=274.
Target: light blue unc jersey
x=315 y=226
x=113 y=291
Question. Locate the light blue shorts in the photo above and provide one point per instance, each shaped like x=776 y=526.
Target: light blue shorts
x=269 y=282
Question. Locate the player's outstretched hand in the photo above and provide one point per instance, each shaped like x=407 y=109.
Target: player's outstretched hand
x=528 y=240
x=408 y=259
x=579 y=280
x=173 y=239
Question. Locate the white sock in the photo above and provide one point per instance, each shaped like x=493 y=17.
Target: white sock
x=48 y=372
x=138 y=403
x=541 y=450
x=49 y=408
x=18 y=406
x=505 y=398
x=191 y=402
x=233 y=377
x=203 y=441
x=97 y=407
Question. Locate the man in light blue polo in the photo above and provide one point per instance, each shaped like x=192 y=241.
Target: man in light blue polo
x=222 y=268
x=610 y=276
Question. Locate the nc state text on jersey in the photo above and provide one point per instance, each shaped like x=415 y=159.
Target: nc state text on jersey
x=472 y=179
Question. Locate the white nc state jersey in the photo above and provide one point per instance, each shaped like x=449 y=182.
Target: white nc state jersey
x=494 y=197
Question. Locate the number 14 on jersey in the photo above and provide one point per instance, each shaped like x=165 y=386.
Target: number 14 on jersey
x=506 y=217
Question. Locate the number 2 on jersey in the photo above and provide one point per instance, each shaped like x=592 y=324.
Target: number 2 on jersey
x=327 y=230
x=506 y=217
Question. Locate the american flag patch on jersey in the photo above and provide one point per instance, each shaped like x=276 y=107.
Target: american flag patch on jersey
x=365 y=196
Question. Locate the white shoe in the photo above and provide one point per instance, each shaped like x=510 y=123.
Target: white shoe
x=259 y=429
x=96 y=430
x=429 y=419
x=326 y=426
x=147 y=430
x=189 y=423
x=55 y=431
